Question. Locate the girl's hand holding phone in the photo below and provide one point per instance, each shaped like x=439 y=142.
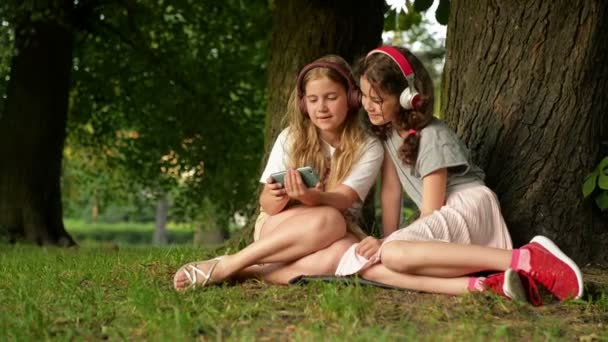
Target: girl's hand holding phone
x=275 y=189
x=296 y=188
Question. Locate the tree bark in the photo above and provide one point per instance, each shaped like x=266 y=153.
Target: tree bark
x=525 y=87
x=32 y=127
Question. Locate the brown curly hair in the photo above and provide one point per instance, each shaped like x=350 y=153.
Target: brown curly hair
x=384 y=75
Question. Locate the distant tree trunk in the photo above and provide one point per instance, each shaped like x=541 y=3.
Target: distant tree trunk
x=94 y=209
x=162 y=212
x=32 y=127
x=525 y=87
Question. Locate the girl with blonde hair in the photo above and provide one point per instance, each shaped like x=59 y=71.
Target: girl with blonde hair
x=303 y=230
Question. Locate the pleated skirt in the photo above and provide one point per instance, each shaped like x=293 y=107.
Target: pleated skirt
x=470 y=216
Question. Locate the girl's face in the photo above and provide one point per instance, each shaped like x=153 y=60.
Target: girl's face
x=326 y=104
x=380 y=106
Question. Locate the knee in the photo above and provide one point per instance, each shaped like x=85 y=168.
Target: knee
x=328 y=221
x=400 y=257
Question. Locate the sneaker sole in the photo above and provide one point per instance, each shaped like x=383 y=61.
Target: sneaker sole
x=512 y=286
x=552 y=247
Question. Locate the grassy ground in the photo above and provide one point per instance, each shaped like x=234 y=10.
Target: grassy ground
x=124 y=293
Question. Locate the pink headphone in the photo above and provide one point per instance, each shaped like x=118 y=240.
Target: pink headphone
x=409 y=98
x=353 y=96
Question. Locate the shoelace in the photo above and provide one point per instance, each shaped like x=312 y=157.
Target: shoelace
x=533 y=293
x=545 y=277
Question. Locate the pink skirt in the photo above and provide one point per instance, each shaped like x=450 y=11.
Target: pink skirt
x=470 y=216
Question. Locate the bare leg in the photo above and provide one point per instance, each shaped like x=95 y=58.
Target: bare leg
x=323 y=262
x=442 y=259
x=451 y=286
x=287 y=236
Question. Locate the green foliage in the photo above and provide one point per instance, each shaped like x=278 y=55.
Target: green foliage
x=443 y=12
x=398 y=21
x=168 y=97
x=595 y=185
x=6 y=53
x=422 y=5
x=402 y=21
x=125 y=293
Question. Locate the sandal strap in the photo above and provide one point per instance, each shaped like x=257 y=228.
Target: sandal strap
x=192 y=270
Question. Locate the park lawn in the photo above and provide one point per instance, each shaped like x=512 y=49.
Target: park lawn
x=125 y=293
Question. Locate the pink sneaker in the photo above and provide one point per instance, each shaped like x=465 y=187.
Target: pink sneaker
x=529 y=285
x=507 y=284
x=550 y=267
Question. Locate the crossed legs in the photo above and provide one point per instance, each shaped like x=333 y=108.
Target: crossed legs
x=322 y=262
x=285 y=238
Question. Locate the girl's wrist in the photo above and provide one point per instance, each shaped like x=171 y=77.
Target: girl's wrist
x=314 y=198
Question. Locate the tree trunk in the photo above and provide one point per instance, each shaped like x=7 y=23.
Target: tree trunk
x=94 y=209
x=525 y=87
x=306 y=30
x=162 y=212
x=32 y=127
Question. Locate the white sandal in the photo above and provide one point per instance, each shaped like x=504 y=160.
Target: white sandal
x=191 y=270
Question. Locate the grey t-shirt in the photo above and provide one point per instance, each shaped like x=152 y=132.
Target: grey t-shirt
x=439 y=148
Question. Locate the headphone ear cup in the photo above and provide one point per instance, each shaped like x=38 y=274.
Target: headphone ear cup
x=354 y=99
x=408 y=99
x=302 y=106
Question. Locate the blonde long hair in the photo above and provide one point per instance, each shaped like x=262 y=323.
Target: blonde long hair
x=306 y=145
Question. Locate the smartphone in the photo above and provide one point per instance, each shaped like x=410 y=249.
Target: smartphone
x=309 y=176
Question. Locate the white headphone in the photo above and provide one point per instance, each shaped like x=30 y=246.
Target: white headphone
x=409 y=97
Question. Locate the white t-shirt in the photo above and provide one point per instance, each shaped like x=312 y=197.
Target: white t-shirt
x=361 y=177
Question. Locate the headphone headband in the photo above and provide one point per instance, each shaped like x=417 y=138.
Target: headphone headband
x=353 y=95
x=397 y=57
x=347 y=75
x=409 y=98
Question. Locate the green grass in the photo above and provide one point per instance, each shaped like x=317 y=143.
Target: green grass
x=125 y=293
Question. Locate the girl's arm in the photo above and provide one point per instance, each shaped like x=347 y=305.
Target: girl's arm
x=273 y=198
x=433 y=191
x=353 y=189
x=340 y=197
x=390 y=196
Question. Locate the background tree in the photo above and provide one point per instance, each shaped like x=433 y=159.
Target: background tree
x=32 y=123
x=525 y=87
x=172 y=94
x=160 y=93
